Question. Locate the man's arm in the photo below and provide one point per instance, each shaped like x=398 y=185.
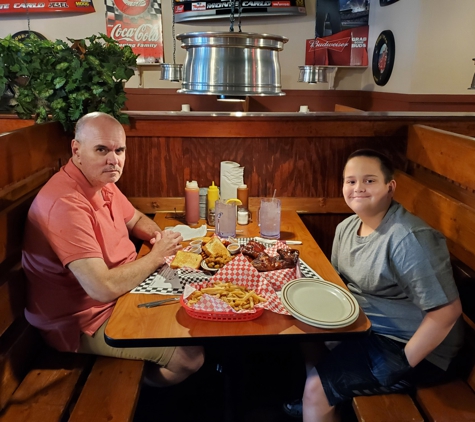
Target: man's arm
x=433 y=329
x=142 y=227
x=104 y=284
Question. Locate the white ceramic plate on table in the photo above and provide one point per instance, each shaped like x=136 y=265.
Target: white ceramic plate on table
x=319 y=303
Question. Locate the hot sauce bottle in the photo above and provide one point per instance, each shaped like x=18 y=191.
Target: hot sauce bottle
x=243 y=195
x=192 y=202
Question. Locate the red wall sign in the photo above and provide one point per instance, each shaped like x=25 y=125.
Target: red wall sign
x=345 y=48
x=138 y=24
x=32 y=6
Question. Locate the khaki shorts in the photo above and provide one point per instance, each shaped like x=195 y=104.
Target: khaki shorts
x=96 y=345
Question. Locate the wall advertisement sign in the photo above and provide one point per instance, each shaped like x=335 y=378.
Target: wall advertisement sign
x=138 y=24
x=186 y=10
x=341 y=34
x=34 y=6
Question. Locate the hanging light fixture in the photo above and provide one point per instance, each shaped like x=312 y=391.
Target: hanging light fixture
x=172 y=71
x=313 y=74
x=231 y=64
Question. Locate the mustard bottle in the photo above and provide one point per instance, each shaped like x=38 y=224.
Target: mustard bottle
x=213 y=196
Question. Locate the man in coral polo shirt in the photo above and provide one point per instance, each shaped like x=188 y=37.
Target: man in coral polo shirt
x=78 y=257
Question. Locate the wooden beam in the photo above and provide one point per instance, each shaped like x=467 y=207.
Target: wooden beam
x=301 y=205
x=456 y=221
x=445 y=153
x=17 y=190
x=347 y=109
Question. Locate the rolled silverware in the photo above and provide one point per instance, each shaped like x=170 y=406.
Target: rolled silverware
x=157 y=302
x=272 y=241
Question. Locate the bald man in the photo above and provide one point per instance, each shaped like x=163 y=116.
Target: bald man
x=78 y=257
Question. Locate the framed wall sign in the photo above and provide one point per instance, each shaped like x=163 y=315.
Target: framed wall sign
x=383 y=57
x=387 y=2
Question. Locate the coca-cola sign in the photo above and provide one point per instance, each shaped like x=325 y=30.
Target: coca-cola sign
x=137 y=23
x=132 y=7
x=145 y=32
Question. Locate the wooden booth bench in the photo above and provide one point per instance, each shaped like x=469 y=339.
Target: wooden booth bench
x=38 y=383
x=439 y=187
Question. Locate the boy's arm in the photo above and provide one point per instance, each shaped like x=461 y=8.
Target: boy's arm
x=433 y=329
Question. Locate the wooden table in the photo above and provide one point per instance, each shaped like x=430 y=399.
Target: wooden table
x=170 y=325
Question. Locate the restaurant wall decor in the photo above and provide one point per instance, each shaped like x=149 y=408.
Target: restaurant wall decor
x=341 y=34
x=138 y=24
x=64 y=6
x=191 y=10
x=383 y=57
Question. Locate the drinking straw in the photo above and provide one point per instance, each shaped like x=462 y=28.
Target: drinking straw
x=273 y=196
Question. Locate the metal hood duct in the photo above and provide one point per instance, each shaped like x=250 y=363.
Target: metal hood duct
x=228 y=63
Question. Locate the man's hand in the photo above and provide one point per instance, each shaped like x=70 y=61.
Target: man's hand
x=166 y=243
x=105 y=285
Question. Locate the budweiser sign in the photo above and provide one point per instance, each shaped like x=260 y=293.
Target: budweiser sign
x=345 y=48
x=137 y=23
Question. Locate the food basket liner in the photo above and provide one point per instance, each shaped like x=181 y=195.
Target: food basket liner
x=239 y=271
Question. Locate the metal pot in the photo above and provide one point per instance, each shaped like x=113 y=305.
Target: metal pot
x=228 y=63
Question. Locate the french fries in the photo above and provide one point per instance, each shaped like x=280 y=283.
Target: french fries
x=238 y=297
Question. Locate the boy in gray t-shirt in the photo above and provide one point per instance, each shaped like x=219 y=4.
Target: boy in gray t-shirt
x=398 y=268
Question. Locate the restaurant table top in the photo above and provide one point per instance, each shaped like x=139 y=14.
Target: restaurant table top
x=170 y=325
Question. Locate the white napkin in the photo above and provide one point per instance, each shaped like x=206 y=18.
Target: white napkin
x=187 y=232
x=231 y=176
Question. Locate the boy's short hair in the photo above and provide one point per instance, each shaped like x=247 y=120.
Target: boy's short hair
x=386 y=164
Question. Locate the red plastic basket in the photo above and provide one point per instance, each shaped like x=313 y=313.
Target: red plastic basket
x=221 y=316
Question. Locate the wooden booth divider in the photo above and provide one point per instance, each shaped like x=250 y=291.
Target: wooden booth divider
x=37 y=383
x=439 y=187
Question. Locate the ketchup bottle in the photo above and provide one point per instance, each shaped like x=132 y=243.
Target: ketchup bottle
x=192 y=202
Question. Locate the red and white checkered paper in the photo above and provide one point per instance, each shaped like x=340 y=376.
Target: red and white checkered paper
x=240 y=271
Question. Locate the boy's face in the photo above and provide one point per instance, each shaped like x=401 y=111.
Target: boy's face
x=364 y=188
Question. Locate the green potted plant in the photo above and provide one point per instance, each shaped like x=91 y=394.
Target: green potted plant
x=61 y=81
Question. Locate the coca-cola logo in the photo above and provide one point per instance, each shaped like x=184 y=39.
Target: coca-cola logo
x=337 y=45
x=132 y=7
x=143 y=33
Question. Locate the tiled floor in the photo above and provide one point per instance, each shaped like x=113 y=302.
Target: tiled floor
x=265 y=378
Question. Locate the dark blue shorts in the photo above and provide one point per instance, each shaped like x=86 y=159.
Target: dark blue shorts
x=372 y=365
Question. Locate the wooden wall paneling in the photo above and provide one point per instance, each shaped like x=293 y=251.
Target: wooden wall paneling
x=321 y=100
x=9 y=123
x=454 y=220
x=442 y=184
x=439 y=150
x=30 y=150
x=302 y=205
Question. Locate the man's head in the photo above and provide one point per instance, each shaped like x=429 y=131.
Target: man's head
x=98 y=148
x=368 y=182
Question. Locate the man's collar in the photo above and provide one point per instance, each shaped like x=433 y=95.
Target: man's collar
x=90 y=192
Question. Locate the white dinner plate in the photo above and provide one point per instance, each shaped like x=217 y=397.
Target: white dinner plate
x=320 y=303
